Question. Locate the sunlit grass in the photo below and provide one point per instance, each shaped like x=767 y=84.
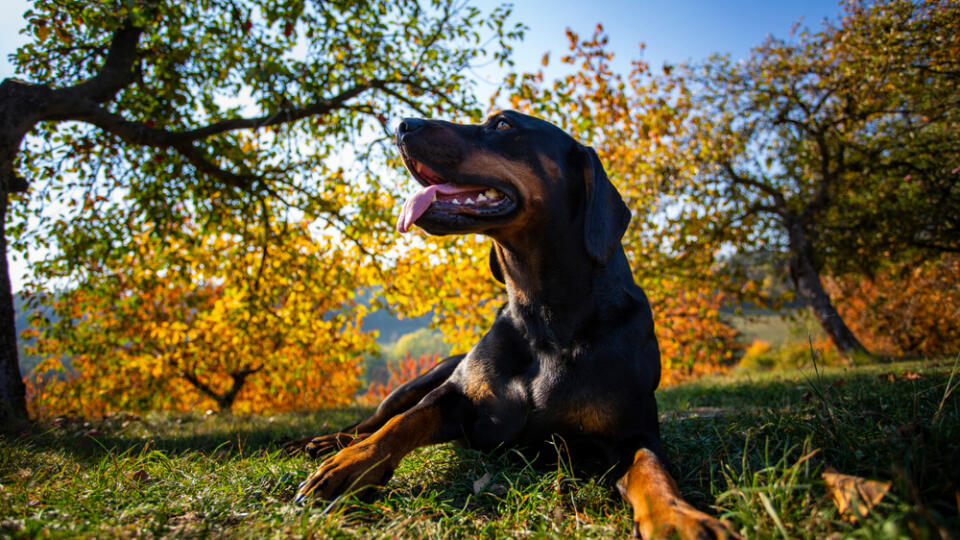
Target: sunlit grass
x=751 y=448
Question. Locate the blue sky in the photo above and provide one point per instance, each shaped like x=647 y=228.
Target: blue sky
x=673 y=31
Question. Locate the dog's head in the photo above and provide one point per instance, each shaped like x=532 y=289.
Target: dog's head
x=511 y=175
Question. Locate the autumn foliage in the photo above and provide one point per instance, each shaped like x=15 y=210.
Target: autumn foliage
x=693 y=339
x=904 y=309
x=132 y=116
x=207 y=324
x=405 y=369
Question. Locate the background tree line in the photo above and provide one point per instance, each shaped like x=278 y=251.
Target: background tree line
x=211 y=186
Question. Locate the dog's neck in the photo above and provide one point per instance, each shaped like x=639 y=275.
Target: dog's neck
x=554 y=291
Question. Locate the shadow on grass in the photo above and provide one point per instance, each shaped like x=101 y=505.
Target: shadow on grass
x=225 y=436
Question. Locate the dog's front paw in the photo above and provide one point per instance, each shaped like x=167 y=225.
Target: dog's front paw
x=333 y=442
x=322 y=444
x=354 y=469
x=683 y=521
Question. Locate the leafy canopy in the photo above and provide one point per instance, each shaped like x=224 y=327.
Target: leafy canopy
x=207 y=176
x=849 y=133
x=162 y=112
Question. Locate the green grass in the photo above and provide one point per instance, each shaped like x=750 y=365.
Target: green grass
x=749 y=448
x=777 y=329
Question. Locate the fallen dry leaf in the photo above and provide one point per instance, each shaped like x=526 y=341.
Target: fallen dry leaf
x=184 y=519
x=911 y=376
x=140 y=476
x=854 y=496
x=481 y=483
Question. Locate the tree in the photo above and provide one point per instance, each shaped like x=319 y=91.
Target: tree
x=839 y=150
x=164 y=112
x=207 y=320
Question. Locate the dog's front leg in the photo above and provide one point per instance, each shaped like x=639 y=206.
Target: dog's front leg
x=371 y=461
x=658 y=509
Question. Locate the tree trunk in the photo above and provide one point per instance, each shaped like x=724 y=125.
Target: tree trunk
x=806 y=281
x=15 y=121
x=226 y=399
x=13 y=395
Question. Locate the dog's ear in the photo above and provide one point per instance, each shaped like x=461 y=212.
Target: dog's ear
x=606 y=216
x=495 y=264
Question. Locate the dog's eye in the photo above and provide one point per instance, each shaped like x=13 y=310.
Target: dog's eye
x=502 y=124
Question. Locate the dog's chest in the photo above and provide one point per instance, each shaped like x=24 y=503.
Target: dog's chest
x=567 y=398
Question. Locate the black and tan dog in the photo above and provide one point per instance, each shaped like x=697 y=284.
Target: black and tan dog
x=573 y=351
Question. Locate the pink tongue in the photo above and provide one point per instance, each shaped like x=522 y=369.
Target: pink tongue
x=418 y=203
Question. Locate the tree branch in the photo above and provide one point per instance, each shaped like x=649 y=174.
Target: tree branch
x=238 y=379
x=117 y=71
x=200 y=385
x=821 y=196
x=758 y=208
x=196 y=158
x=134 y=132
x=779 y=201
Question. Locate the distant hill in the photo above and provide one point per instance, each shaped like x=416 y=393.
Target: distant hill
x=22 y=319
x=391 y=327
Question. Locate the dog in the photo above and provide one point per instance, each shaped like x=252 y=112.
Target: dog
x=571 y=354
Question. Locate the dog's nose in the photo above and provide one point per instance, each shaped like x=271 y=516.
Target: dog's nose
x=409 y=125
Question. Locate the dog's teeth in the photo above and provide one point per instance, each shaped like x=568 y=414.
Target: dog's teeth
x=434 y=197
x=456 y=201
x=469 y=200
x=481 y=197
x=492 y=193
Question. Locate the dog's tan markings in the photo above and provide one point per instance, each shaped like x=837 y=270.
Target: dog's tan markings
x=478 y=390
x=492 y=114
x=658 y=509
x=593 y=418
x=554 y=172
x=476 y=384
x=372 y=461
x=515 y=268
